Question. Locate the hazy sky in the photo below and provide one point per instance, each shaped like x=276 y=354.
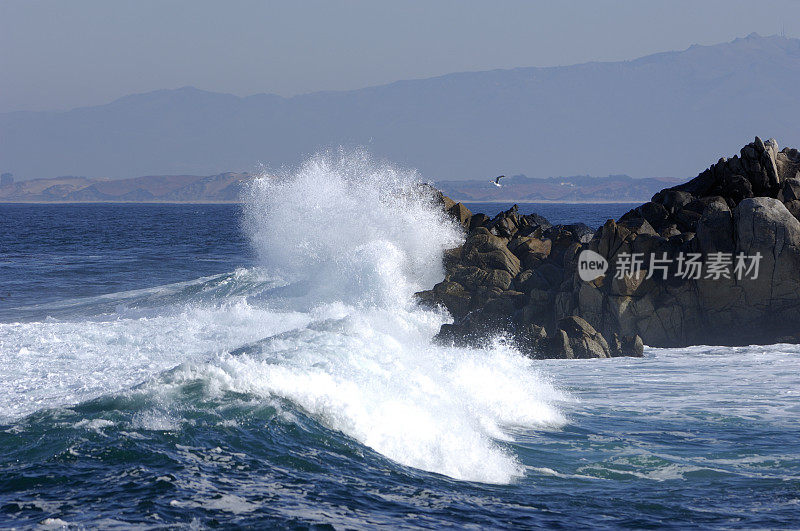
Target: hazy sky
x=62 y=54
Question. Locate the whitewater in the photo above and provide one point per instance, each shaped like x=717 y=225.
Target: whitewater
x=302 y=386
x=328 y=322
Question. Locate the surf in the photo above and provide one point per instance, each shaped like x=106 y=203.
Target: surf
x=327 y=322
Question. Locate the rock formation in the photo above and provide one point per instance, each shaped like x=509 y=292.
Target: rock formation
x=718 y=262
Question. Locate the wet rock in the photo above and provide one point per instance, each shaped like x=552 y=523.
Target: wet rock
x=583 y=340
x=487 y=251
x=478 y=220
x=627 y=346
x=517 y=275
x=461 y=214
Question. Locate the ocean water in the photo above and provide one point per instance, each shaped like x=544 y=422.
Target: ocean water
x=594 y=215
x=265 y=365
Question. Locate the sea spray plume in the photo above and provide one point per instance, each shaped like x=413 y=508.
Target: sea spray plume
x=363 y=237
x=354 y=353
x=356 y=229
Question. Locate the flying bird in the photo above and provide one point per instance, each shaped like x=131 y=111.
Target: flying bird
x=496 y=181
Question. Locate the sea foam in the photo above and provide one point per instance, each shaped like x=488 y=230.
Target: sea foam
x=328 y=322
x=362 y=242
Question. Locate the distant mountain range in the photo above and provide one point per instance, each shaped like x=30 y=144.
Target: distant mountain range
x=578 y=189
x=667 y=114
x=227 y=188
x=222 y=188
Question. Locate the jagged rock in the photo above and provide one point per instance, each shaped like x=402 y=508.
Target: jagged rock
x=478 y=220
x=787 y=163
x=452 y=257
x=655 y=214
x=461 y=214
x=765 y=226
x=793 y=207
x=450 y=295
x=673 y=200
x=579 y=232
x=637 y=224
x=790 y=191
x=715 y=228
x=631 y=346
x=558 y=347
x=531 y=339
x=551 y=273
x=536 y=221
x=485 y=250
x=473 y=278
x=517 y=275
x=678 y=312
x=532 y=251
x=506 y=224
x=584 y=341
x=736 y=187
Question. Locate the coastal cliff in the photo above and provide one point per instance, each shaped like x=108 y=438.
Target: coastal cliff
x=713 y=261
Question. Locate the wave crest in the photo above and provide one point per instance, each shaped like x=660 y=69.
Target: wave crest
x=354 y=228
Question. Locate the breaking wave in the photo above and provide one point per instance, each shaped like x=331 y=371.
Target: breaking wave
x=327 y=323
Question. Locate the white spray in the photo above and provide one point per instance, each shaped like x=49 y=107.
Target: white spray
x=366 y=365
x=343 y=339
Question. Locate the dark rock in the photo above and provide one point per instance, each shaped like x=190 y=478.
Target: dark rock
x=673 y=200
x=793 y=207
x=655 y=214
x=478 y=220
x=736 y=187
x=637 y=225
x=450 y=295
x=533 y=251
x=452 y=257
x=558 y=347
x=506 y=224
x=487 y=251
x=517 y=275
x=790 y=190
x=787 y=163
x=626 y=346
x=531 y=339
x=584 y=341
x=536 y=221
x=551 y=273
x=582 y=232
x=472 y=277
x=529 y=280
x=461 y=214
x=715 y=228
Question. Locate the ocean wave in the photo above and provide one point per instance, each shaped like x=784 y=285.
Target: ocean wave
x=327 y=322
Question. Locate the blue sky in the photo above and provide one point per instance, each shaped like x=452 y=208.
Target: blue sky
x=58 y=55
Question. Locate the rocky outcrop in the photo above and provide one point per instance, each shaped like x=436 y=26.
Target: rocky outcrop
x=713 y=261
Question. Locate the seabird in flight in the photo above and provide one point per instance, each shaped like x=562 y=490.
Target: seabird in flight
x=496 y=182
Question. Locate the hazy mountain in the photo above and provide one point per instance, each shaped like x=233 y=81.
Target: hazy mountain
x=222 y=188
x=665 y=114
x=578 y=189
x=227 y=188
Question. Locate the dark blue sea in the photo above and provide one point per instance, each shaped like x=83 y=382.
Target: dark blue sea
x=265 y=365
